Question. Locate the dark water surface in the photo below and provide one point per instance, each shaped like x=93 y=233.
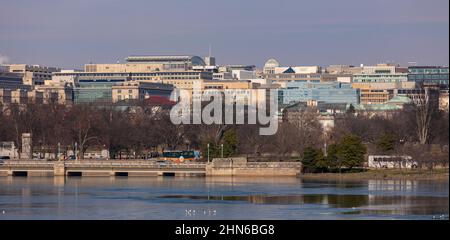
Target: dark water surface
x=220 y=198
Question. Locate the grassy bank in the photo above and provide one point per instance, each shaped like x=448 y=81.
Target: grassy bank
x=437 y=174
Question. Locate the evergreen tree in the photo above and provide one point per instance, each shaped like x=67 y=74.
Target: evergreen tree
x=230 y=143
x=386 y=143
x=309 y=159
x=321 y=162
x=351 y=151
x=332 y=159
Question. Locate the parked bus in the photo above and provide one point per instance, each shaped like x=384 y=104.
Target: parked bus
x=180 y=156
x=386 y=161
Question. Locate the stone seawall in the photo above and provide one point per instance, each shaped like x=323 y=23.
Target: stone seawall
x=240 y=167
x=218 y=167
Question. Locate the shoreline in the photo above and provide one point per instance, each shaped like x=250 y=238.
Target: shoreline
x=384 y=174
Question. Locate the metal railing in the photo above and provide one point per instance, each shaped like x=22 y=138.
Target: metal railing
x=27 y=163
x=134 y=164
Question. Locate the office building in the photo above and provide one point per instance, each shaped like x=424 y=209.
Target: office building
x=95 y=91
x=139 y=91
x=12 y=81
x=33 y=74
x=382 y=68
x=242 y=74
x=429 y=75
x=180 y=79
x=332 y=92
x=144 y=64
x=380 y=77
x=298 y=69
x=55 y=92
x=272 y=71
x=222 y=76
x=230 y=68
x=380 y=92
x=343 y=69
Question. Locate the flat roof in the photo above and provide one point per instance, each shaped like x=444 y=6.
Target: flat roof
x=159 y=57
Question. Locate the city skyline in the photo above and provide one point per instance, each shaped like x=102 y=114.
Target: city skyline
x=295 y=33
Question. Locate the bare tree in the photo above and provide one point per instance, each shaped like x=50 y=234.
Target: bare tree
x=425 y=108
x=83 y=127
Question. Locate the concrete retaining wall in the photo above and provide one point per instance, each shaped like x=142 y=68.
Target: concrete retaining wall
x=218 y=167
x=240 y=167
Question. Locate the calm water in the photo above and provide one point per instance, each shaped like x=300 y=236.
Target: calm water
x=220 y=198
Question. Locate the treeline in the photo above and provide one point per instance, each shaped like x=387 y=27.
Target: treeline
x=136 y=131
x=399 y=133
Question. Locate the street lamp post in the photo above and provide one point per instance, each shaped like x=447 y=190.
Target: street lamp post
x=208 y=152
x=75 y=152
x=222 y=149
x=59 y=151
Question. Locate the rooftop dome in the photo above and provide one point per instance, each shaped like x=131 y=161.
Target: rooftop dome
x=271 y=63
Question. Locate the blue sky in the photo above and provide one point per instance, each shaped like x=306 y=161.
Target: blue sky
x=70 y=33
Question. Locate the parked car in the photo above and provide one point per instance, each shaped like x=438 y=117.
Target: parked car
x=5 y=157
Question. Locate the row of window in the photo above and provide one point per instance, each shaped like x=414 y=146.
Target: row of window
x=120 y=97
x=180 y=78
x=374 y=96
x=429 y=71
x=129 y=91
x=430 y=76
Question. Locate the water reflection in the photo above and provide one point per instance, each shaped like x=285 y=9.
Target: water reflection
x=232 y=198
x=325 y=199
x=403 y=205
x=392 y=185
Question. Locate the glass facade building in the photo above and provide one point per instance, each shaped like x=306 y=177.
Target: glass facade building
x=12 y=81
x=95 y=91
x=327 y=92
x=434 y=75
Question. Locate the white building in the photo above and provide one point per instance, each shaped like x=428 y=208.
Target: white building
x=273 y=67
x=298 y=69
x=379 y=68
x=65 y=76
x=270 y=65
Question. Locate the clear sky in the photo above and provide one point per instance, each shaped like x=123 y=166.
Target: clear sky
x=70 y=33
